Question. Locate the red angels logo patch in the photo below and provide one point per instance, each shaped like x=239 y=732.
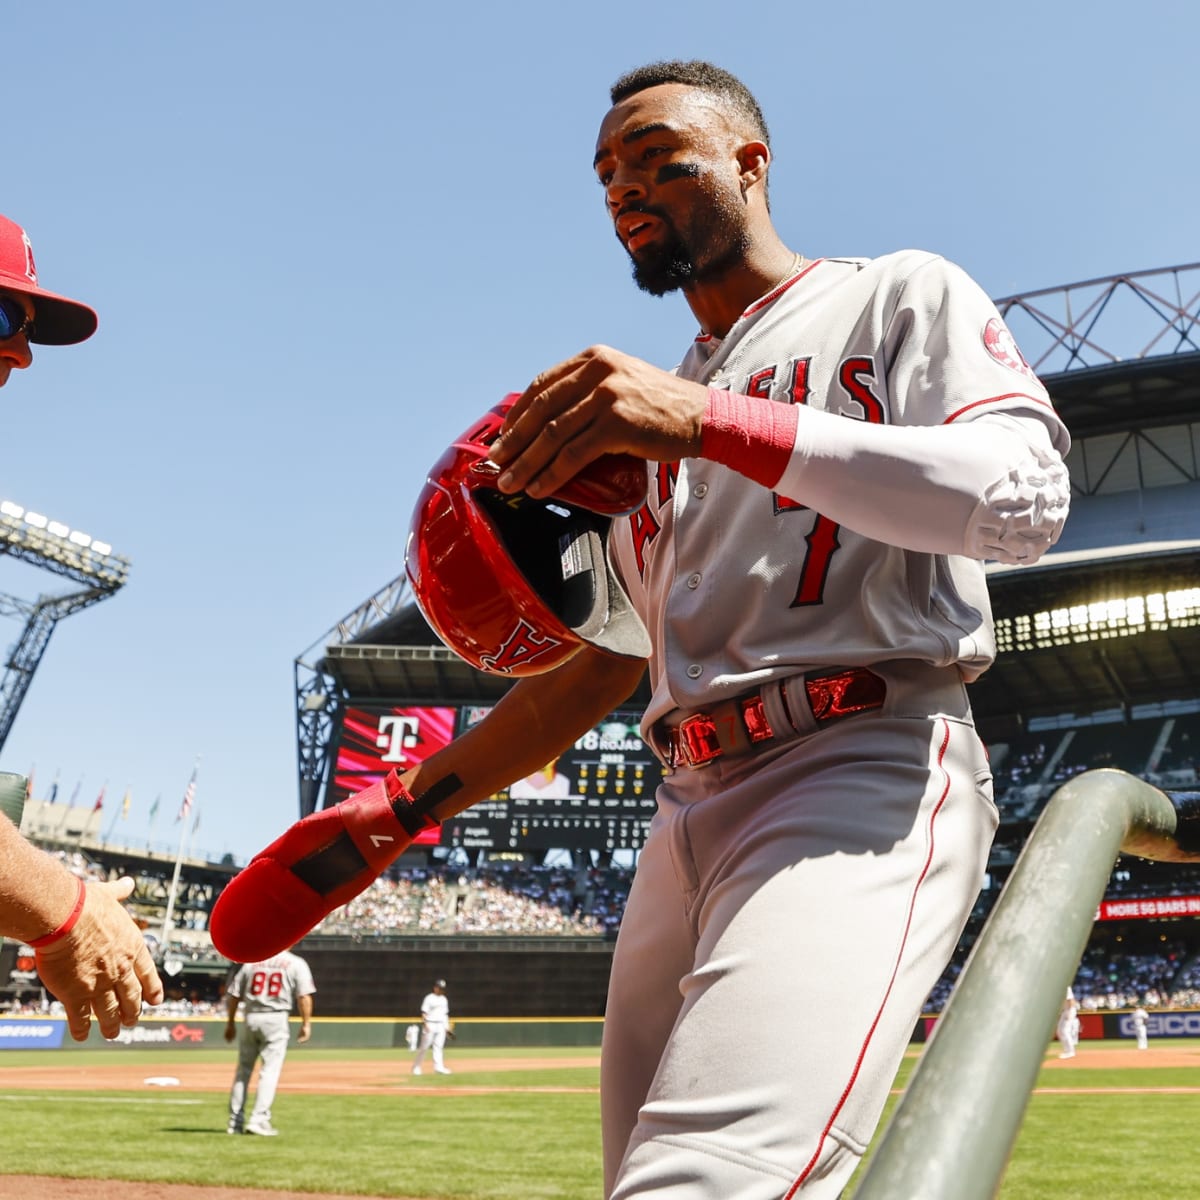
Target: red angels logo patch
x=521 y=646
x=1003 y=347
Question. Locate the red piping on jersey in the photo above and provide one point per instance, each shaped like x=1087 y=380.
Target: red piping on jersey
x=770 y=297
x=862 y=1053
x=996 y=400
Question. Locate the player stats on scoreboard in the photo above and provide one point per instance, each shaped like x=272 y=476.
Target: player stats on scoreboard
x=597 y=795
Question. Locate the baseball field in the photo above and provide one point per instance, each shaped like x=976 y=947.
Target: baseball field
x=513 y=1124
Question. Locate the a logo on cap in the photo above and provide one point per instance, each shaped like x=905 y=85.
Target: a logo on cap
x=30 y=269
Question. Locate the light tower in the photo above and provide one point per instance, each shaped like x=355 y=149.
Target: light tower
x=57 y=548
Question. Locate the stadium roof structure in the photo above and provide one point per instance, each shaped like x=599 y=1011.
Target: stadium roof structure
x=51 y=546
x=1109 y=621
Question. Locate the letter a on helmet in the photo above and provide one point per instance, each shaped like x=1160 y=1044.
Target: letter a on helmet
x=515 y=585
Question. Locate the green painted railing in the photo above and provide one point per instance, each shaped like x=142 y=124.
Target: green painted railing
x=951 y=1135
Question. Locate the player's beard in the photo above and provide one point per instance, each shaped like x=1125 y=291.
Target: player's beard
x=715 y=241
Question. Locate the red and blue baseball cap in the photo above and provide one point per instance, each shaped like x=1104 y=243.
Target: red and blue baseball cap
x=57 y=321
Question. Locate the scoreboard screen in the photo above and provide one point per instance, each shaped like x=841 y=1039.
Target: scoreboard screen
x=597 y=795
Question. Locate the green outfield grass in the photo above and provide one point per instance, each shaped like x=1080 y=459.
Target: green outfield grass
x=523 y=1145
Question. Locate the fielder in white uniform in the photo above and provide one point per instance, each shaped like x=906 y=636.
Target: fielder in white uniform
x=1067 y=1030
x=1141 y=1024
x=435 y=1024
x=266 y=992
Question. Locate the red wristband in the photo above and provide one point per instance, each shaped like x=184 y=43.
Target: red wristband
x=751 y=434
x=61 y=932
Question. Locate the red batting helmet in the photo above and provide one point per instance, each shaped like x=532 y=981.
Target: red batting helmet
x=516 y=585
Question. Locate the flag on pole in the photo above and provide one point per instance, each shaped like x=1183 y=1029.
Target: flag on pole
x=154 y=806
x=54 y=789
x=99 y=799
x=188 y=797
x=29 y=784
x=125 y=805
x=75 y=793
x=196 y=823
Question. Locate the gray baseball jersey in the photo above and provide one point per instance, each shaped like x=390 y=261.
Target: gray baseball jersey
x=739 y=585
x=272 y=985
x=833 y=872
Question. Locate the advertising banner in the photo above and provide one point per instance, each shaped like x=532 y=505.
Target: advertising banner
x=377 y=740
x=31 y=1033
x=1148 y=906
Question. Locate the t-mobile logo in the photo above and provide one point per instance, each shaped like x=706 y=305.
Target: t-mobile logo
x=395 y=733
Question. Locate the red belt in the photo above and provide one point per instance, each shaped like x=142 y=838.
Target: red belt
x=736 y=726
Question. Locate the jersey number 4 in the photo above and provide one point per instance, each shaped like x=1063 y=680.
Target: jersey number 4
x=855 y=376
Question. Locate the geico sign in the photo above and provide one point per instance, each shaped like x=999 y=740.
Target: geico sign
x=1165 y=1025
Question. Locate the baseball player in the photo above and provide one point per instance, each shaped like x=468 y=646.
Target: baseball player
x=89 y=952
x=1067 y=1030
x=266 y=991
x=842 y=446
x=1141 y=1027
x=435 y=1024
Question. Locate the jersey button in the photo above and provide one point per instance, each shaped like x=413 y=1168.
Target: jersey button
x=694 y=581
x=695 y=671
x=700 y=491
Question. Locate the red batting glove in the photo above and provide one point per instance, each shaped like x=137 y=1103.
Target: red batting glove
x=321 y=863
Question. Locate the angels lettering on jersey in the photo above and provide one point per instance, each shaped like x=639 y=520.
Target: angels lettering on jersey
x=855 y=396
x=856 y=388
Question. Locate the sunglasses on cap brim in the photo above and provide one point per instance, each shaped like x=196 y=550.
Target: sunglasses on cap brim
x=13 y=319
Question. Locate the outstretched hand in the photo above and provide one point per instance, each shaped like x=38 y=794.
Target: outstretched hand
x=102 y=966
x=599 y=402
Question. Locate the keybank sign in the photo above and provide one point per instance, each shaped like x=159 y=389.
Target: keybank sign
x=31 y=1035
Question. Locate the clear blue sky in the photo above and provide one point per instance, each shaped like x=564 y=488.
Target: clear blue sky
x=321 y=238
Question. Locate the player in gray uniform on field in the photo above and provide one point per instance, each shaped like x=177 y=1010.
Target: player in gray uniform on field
x=266 y=992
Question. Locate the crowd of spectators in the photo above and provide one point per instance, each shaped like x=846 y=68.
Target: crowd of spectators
x=497 y=899
x=1025 y=778
x=79 y=864
x=1111 y=978
x=1108 y=980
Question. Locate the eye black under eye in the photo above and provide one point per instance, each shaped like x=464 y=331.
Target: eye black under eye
x=676 y=170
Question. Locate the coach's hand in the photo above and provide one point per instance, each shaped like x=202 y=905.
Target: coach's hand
x=599 y=402
x=102 y=966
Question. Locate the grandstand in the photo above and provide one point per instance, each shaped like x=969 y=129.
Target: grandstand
x=517 y=902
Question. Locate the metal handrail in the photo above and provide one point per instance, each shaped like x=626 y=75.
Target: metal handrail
x=951 y=1135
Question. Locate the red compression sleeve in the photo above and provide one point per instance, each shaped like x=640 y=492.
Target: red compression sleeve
x=751 y=434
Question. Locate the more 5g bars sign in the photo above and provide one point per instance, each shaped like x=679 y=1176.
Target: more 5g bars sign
x=1147 y=907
